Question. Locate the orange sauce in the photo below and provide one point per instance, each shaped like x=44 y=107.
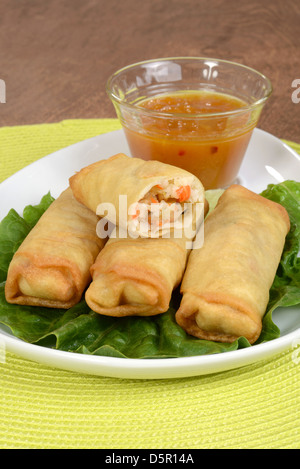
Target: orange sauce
x=212 y=148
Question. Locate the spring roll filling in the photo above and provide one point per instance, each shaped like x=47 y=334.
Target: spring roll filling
x=162 y=206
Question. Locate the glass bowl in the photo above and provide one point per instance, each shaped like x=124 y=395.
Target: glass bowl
x=192 y=112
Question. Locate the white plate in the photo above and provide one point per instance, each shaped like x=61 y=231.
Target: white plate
x=267 y=160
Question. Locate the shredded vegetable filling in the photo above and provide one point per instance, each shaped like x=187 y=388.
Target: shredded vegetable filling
x=163 y=204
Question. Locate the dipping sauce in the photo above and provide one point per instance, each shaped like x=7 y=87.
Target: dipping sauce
x=192 y=134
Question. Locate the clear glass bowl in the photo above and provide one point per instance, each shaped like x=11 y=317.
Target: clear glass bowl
x=192 y=112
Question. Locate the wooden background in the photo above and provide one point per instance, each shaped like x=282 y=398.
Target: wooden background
x=56 y=55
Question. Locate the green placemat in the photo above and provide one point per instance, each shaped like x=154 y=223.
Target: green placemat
x=256 y=406
x=21 y=145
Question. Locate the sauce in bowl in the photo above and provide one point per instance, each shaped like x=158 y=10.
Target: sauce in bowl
x=186 y=129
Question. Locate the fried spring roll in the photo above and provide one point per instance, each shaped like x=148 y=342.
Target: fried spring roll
x=51 y=268
x=153 y=190
x=226 y=284
x=136 y=277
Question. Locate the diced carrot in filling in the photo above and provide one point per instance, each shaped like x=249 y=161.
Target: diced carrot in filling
x=136 y=214
x=183 y=193
x=170 y=198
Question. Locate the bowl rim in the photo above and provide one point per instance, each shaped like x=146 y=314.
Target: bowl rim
x=132 y=106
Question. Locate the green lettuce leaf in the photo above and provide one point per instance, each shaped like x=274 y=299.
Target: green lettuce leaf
x=80 y=330
x=288 y=194
x=285 y=290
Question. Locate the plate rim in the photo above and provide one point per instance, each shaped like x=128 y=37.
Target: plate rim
x=156 y=368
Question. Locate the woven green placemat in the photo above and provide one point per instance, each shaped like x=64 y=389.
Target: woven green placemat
x=256 y=406
x=21 y=145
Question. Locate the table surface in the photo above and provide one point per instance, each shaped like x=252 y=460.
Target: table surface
x=56 y=56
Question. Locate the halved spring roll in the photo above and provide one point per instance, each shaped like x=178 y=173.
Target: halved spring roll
x=226 y=284
x=51 y=268
x=156 y=193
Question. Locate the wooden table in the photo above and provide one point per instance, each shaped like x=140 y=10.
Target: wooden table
x=56 y=55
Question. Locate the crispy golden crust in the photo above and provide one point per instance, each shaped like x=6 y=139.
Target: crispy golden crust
x=51 y=267
x=136 y=277
x=226 y=284
x=120 y=175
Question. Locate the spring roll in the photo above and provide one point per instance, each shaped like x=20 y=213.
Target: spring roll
x=51 y=268
x=138 y=190
x=225 y=289
x=135 y=276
